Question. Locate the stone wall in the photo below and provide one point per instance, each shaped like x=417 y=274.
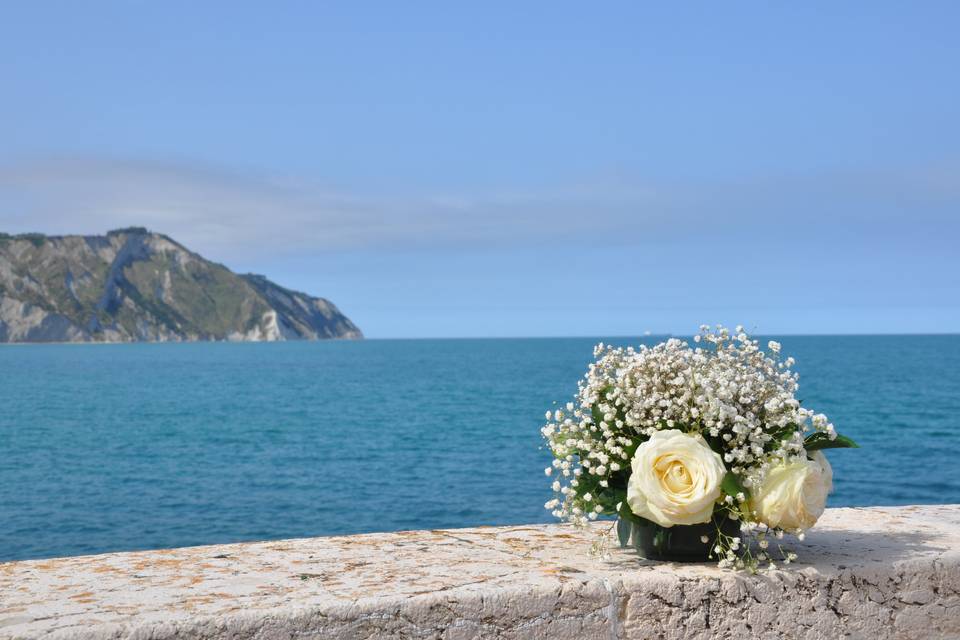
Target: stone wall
x=863 y=573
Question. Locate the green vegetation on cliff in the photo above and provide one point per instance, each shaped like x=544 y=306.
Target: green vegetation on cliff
x=134 y=285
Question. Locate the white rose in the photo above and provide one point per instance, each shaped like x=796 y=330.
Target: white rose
x=794 y=495
x=675 y=479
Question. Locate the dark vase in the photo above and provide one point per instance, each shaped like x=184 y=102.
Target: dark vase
x=679 y=543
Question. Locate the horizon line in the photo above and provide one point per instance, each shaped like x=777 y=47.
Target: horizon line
x=657 y=335
x=564 y=337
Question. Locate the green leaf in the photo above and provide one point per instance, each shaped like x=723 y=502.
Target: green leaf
x=631 y=448
x=783 y=433
x=609 y=498
x=817 y=441
x=627 y=514
x=731 y=485
x=597 y=414
x=779 y=435
x=716 y=443
x=595 y=410
x=624 y=527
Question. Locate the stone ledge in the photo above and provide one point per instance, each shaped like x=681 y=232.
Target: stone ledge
x=863 y=573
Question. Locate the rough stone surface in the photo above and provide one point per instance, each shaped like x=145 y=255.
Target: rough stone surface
x=863 y=573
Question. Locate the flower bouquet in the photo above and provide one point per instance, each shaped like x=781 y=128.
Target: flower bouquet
x=694 y=449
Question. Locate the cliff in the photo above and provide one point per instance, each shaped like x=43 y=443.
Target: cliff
x=134 y=285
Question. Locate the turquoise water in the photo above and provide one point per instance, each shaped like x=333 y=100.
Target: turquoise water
x=114 y=447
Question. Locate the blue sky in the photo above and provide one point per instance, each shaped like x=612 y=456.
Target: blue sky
x=438 y=169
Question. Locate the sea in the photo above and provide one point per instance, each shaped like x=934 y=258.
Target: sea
x=109 y=447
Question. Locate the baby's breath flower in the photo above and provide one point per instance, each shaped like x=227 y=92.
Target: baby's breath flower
x=724 y=388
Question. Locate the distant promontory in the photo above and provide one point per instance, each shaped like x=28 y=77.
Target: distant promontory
x=132 y=285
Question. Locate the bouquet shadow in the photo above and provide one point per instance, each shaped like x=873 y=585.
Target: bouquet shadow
x=824 y=549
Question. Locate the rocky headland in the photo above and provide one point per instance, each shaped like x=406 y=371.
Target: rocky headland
x=133 y=285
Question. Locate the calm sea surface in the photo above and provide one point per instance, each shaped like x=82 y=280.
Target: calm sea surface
x=114 y=447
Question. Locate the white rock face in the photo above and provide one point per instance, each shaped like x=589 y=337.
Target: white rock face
x=864 y=573
x=269 y=330
x=24 y=322
x=134 y=285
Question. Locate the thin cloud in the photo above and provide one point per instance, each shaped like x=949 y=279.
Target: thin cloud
x=225 y=214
